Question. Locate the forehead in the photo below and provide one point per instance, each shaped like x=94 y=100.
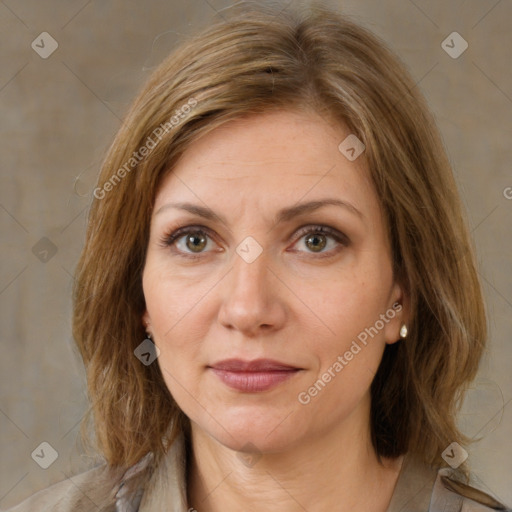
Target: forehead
x=266 y=160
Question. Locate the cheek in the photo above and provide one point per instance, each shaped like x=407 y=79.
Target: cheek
x=180 y=358
x=173 y=303
x=348 y=305
x=350 y=309
x=177 y=328
x=345 y=365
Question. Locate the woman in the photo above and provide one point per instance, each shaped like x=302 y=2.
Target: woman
x=277 y=302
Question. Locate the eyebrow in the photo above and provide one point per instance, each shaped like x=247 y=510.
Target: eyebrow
x=283 y=215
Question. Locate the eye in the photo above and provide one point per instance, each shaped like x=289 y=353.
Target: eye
x=316 y=238
x=194 y=241
x=190 y=241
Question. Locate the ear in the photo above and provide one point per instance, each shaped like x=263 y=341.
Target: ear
x=397 y=313
x=146 y=320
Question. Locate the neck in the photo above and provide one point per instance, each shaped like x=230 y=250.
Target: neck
x=335 y=470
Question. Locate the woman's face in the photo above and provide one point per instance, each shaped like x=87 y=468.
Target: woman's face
x=272 y=305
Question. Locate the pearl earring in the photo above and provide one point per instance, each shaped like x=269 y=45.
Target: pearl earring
x=403 y=331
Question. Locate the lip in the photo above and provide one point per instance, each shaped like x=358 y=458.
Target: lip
x=257 y=365
x=253 y=376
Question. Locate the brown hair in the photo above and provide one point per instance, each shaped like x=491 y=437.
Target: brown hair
x=254 y=62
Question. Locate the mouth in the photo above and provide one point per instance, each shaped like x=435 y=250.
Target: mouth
x=253 y=376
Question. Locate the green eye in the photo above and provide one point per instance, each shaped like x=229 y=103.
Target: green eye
x=316 y=242
x=196 y=242
x=192 y=241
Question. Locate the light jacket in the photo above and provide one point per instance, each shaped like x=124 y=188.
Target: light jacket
x=419 y=489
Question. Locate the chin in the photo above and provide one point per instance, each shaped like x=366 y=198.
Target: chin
x=248 y=428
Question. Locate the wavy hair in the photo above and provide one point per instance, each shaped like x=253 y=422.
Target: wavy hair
x=256 y=61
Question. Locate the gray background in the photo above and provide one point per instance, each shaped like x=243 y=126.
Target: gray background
x=58 y=117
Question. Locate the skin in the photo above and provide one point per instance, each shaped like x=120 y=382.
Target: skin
x=292 y=303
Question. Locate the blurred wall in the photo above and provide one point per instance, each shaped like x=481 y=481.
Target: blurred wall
x=59 y=115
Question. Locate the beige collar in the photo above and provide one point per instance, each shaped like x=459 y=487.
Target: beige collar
x=167 y=489
x=413 y=488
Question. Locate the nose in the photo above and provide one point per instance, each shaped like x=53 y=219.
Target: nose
x=253 y=301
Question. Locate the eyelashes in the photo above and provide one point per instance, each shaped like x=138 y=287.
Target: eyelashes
x=206 y=236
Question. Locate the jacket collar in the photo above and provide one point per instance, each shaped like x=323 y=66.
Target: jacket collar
x=167 y=489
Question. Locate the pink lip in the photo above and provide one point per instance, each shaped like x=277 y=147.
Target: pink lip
x=253 y=376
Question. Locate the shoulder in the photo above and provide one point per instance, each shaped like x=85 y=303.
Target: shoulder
x=93 y=490
x=422 y=488
x=452 y=491
x=81 y=492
